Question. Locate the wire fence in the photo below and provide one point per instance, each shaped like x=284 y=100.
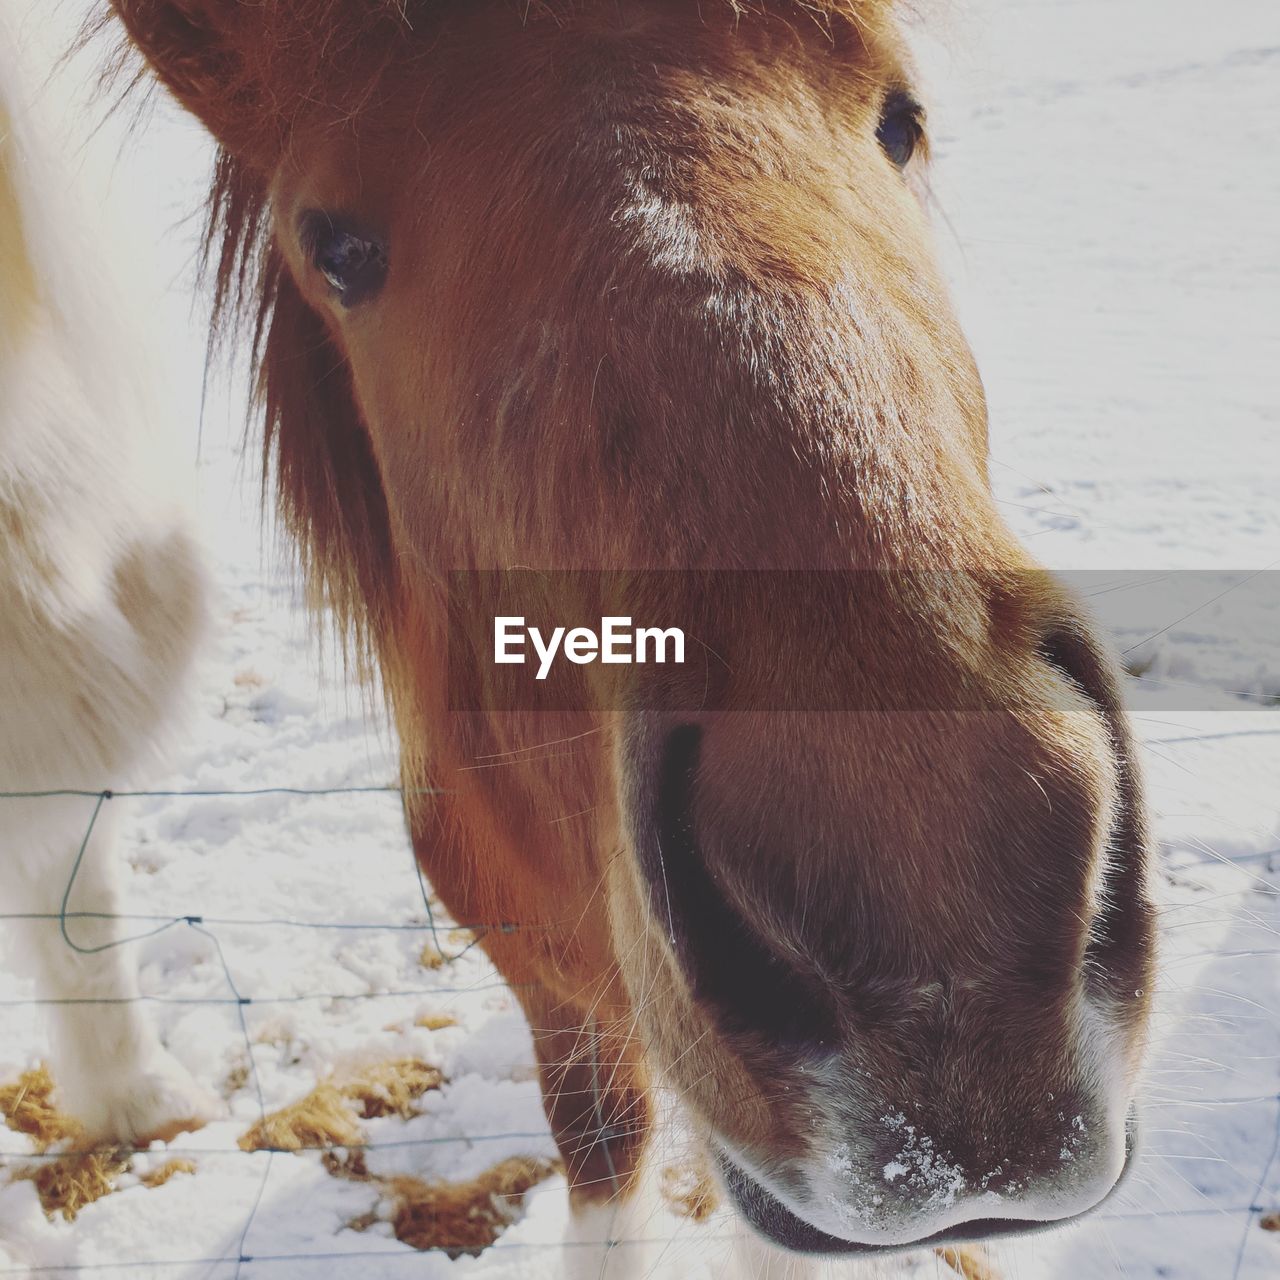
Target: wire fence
x=437 y=931
x=155 y=924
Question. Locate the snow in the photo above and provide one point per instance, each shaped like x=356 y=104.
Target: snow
x=925 y=1170
x=1106 y=172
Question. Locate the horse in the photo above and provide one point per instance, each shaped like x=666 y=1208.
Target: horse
x=641 y=295
x=103 y=606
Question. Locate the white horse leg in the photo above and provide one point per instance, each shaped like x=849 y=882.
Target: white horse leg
x=627 y=1243
x=113 y=1074
x=751 y=1258
x=616 y=1241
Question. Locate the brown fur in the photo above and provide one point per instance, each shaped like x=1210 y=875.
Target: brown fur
x=658 y=300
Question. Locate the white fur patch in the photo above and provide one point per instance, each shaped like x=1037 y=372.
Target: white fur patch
x=101 y=603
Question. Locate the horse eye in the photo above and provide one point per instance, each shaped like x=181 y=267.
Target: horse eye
x=353 y=262
x=901 y=127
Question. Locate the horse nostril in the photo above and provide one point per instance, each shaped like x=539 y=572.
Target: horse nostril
x=1121 y=932
x=1071 y=653
x=676 y=780
x=734 y=968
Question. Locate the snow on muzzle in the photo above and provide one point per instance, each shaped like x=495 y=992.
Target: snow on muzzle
x=886 y=1184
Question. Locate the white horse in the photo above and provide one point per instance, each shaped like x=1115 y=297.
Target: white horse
x=101 y=605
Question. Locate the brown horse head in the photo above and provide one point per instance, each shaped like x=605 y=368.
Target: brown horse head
x=647 y=286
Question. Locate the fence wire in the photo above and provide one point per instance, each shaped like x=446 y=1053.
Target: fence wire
x=237 y=999
x=204 y=925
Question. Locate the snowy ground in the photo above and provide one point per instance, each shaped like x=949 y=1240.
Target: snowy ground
x=1107 y=173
